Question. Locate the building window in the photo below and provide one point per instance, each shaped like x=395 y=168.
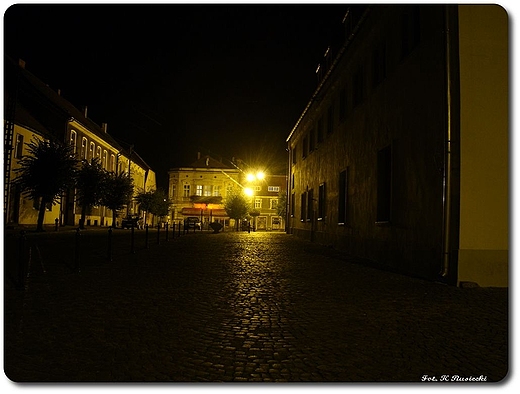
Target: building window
x=303 y=206
x=292 y=181
x=342 y=197
x=186 y=192
x=91 y=151
x=330 y=119
x=384 y=185
x=73 y=139
x=198 y=190
x=358 y=86
x=379 y=64
x=18 y=148
x=257 y=188
x=216 y=190
x=229 y=190
x=112 y=163
x=105 y=159
x=273 y=203
x=258 y=203
x=310 y=205
x=98 y=153
x=207 y=190
x=273 y=188
x=321 y=202
x=83 y=149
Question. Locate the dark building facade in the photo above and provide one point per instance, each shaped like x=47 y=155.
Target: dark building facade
x=390 y=160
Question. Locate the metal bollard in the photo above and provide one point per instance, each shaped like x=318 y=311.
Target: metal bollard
x=77 y=251
x=132 y=250
x=158 y=233
x=166 y=228
x=179 y=228
x=146 y=236
x=56 y=223
x=109 y=251
x=173 y=230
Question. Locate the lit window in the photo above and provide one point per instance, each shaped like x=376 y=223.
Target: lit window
x=112 y=162
x=91 y=151
x=216 y=190
x=84 y=148
x=98 y=153
x=273 y=188
x=207 y=190
x=73 y=137
x=258 y=203
x=198 y=190
x=105 y=159
x=257 y=188
x=274 y=203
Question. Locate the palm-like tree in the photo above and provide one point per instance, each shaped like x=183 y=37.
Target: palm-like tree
x=46 y=173
x=90 y=182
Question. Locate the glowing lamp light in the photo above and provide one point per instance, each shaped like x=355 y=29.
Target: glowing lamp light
x=250 y=177
x=260 y=175
x=248 y=191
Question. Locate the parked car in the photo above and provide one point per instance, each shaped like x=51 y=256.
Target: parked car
x=130 y=221
x=192 y=222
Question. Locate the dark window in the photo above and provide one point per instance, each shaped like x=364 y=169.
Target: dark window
x=321 y=202
x=310 y=205
x=379 y=65
x=303 y=207
x=18 y=149
x=330 y=119
x=343 y=197
x=293 y=200
x=343 y=104
x=384 y=184
x=358 y=87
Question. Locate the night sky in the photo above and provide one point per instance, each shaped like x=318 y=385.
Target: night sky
x=174 y=80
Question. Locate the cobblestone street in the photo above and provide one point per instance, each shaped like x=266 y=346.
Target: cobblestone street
x=248 y=307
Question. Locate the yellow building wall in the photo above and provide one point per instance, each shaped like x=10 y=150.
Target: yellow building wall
x=484 y=210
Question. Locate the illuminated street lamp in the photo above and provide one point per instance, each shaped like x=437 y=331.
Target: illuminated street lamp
x=248 y=191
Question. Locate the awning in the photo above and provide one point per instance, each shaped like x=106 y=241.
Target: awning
x=206 y=212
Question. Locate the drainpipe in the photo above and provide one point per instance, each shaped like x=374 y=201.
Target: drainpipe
x=447 y=156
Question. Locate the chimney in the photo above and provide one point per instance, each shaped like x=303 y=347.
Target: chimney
x=198 y=155
x=59 y=92
x=85 y=111
x=104 y=126
x=21 y=63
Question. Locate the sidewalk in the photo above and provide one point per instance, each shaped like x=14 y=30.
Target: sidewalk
x=245 y=307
